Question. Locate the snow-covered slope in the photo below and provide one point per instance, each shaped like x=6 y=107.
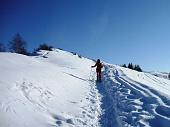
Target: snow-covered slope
x=52 y=89
x=57 y=88
x=160 y=74
x=135 y=99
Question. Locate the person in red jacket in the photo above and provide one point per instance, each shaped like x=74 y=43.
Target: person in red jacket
x=98 y=66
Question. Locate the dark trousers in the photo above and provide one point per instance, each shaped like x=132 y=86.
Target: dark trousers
x=98 y=74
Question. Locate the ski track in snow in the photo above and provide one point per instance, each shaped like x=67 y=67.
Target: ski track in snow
x=126 y=103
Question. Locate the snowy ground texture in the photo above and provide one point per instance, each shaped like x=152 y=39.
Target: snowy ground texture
x=58 y=89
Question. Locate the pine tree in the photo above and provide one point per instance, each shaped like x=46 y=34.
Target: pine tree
x=137 y=68
x=130 y=66
x=18 y=45
x=124 y=65
x=44 y=47
x=169 y=76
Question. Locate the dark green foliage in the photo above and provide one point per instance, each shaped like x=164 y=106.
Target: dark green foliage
x=124 y=65
x=44 y=47
x=18 y=45
x=2 y=47
x=134 y=67
x=130 y=66
x=79 y=56
x=76 y=54
x=73 y=53
x=137 y=68
x=169 y=76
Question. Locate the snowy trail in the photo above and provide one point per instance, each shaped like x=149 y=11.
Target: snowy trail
x=129 y=103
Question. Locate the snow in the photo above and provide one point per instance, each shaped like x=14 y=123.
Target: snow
x=46 y=91
x=160 y=74
x=58 y=88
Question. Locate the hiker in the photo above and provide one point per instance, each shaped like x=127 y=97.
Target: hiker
x=98 y=66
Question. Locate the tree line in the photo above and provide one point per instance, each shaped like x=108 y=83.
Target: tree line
x=19 y=45
x=137 y=68
x=133 y=67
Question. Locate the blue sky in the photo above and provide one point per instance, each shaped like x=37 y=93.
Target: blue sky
x=116 y=31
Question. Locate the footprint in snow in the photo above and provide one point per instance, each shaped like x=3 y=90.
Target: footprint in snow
x=60 y=120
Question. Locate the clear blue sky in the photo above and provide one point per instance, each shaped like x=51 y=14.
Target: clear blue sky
x=116 y=31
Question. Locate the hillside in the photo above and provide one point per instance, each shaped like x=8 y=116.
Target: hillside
x=58 y=88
